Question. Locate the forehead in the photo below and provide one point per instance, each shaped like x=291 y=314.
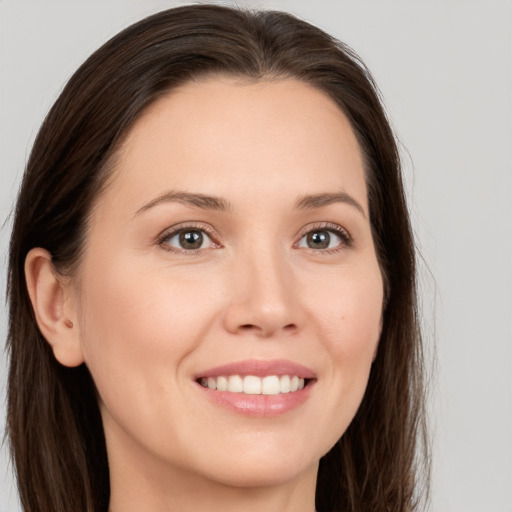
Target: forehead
x=214 y=134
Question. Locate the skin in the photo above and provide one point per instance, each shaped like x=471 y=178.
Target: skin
x=146 y=315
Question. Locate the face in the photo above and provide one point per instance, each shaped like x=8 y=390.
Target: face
x=231 y=249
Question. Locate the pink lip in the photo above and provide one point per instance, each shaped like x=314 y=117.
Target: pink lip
x=263 y=406
x=259 y=368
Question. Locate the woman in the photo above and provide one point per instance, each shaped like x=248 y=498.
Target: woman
x=212 y=280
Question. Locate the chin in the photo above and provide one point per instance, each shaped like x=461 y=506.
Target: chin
x=262 y=476
x=262 y=467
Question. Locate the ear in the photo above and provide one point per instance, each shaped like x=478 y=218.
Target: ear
x=54 y=307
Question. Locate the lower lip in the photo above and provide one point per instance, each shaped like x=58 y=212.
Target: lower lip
x=258 y=405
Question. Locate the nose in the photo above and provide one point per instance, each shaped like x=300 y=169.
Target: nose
x=263 y=297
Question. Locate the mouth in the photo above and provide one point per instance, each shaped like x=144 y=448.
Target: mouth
x=258 y=388
x=254 y=385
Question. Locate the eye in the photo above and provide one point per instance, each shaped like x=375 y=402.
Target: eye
x=187 y=239
x=325 y=238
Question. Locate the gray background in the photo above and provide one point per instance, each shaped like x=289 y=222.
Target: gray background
x=445 y=70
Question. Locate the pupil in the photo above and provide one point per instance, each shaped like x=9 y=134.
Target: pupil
x=191 y=239
x=318 y=240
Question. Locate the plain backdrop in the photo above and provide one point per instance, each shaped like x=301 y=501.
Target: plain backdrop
x=445 y=71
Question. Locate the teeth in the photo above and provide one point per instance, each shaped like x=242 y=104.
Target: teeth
x=252 y=385
x=235 y=384
x=222 y=384
x=270 y=385
x=285 y=384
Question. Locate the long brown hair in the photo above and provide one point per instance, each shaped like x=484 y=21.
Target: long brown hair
x=55 y=429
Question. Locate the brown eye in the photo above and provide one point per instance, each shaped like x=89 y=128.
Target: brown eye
x=188 y=240
x=322 y=239
x=191 y=239
x=318 y=239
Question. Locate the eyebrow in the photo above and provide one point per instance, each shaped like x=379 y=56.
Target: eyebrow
x=205 y=202
x=198 y=200
x=326 y=199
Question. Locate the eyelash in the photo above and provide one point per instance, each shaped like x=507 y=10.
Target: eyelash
x=346 y=239
x=183 y=228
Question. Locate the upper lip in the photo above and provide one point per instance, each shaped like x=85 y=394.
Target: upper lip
x=260 y=368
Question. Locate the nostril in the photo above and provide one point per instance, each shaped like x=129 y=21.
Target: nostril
x=252 y=327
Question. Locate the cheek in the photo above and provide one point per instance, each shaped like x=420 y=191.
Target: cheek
x=348 y=306
x=349 y=312
x=135 y=322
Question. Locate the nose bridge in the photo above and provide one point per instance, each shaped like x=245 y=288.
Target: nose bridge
x=263 y=299
x=269 y=279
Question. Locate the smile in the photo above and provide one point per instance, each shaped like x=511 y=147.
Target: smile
x=257 y=388
x=254 y=385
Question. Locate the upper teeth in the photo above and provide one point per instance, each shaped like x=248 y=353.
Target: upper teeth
x=252 y=385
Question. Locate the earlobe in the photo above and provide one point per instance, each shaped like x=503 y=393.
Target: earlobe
x=53 y=306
